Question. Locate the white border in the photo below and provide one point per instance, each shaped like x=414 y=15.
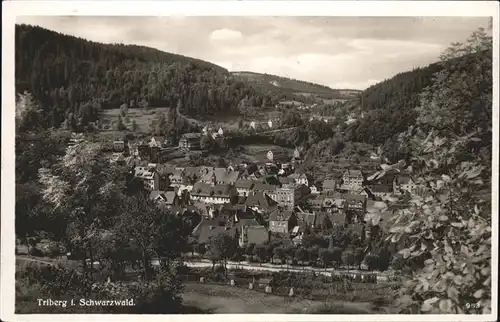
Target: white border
x=11 y=9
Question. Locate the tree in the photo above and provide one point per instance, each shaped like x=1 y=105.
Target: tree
x=28 y=113
x=348 y=258
x=279 y=253
x=119 y=125
x=326 y=257
x=371 y=261
x=337 y=255
x=201 y=248
x=222 y=247
x=270 y=252
x=79 y=190
x=138 y=222
x=249 y=250
x=446 y=224
x=289 y=253
x=158 y=125
x=135 y=127
x=206 y=143
x=260 y=252
x=313 y=254
x=301 y=254
x=359 y=255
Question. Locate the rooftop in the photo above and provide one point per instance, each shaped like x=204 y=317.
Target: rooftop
x=279 y=214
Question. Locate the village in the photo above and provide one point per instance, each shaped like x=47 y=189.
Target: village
x=257 y=203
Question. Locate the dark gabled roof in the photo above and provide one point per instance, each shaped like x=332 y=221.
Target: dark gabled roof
x=192 y=171
x=222 y=190
x=353 y=173
x=279 y=214
x=170 y=197
x=164 y=169
x=257 y=235
x=191 y=136
x=260 y=199
x=404 y=178
x=318 y=201
x=285 y=180
x=306 y=218
x=272 y=180
x=207 y=232
x=322 y=220
x=261 y=186
x=354 y=197
x=244 y=184
x=201 y=189
x=329 y=184
x=337 y=219
x=384 y=188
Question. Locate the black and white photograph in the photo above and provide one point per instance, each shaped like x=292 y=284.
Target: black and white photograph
x=293 y=164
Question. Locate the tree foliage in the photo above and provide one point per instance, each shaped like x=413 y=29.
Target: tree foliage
x=447 y=221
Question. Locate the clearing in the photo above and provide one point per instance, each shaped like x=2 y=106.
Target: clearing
x=141 y=117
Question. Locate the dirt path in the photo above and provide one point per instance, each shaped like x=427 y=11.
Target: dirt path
x=233 y=300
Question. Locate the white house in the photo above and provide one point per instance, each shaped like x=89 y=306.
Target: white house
x=403 y=183
x=270 y=124
x=220 y=132
x=270 y=155
x=150 y=178
x=352 y=180
x=252 y=125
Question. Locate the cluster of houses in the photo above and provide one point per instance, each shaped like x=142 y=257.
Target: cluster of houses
x=257 y=202
x=159 y=150
x=270 y=124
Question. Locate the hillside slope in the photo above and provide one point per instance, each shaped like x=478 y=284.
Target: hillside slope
x=292 y=89
x=73 y=79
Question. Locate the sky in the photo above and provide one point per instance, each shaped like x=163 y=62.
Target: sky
x=339 y=52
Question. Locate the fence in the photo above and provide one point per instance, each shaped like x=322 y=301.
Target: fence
x=318 y=291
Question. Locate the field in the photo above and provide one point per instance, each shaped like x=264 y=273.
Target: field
x=227 y=299
x=258 y=152
x=141 y=117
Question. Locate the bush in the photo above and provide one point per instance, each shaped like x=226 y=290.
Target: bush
x=37 y=252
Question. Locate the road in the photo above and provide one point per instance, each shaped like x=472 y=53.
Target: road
x=279 y=130
x=244 y=265
x=276 y=268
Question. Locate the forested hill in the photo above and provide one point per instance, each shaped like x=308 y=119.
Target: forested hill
x=293 y=89
x=389 y=107
x=74 y=78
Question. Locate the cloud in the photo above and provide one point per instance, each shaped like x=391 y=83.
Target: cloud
x=225 y=34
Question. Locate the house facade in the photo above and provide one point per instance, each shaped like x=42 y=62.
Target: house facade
x=244 y=187
x=166 y=198
x=289 y=195
x=282 y=220
x=257 y=235
x=352 y=180
x=356 y=202
x=118 y=146
x=149 y=176
x=403 y=183
x=190 y=141
x=380 y=190
x=217 y=194
x=329 y=186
